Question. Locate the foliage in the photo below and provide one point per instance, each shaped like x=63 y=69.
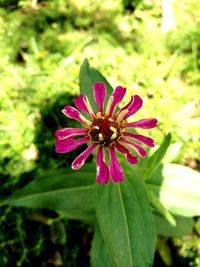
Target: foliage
x=42 y=48
x=123 y=210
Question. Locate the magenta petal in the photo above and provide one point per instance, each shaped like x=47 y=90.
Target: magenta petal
x=100 y=95
x=118 y=95
x=73 y=113
x=143 y=139
x=134 y=106
x=102 y=169
x=144 y=124
x=65 y=133
x=83 y=104
x=67 y=145
x=130 y=158
x=139 y=149
x=126 y=106
x=80 y=160
x=115 y=167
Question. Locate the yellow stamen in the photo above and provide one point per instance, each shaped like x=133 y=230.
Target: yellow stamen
x=96 y=127
x=100 y=137
x=113 y=136
x=98 y=115
x=113 y=129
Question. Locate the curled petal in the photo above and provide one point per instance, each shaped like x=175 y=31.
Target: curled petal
x=129 y=157
x=141 y=138
x=100 y=95
x=83 y=104
x=134 y=106
x=115 y=98
x=80 y=160
x=115 y=167
x=102 y=169
x=66 y=133
x=67 y=145
x=73 y=113
x=139 y=149
x=144 y=124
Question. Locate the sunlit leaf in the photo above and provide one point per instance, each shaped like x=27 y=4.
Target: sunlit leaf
x=177 y=187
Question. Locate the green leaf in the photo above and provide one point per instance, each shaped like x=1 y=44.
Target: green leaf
x=88 y=76
x=177 y=188
x=152 y=162
x=99 y=254
x=172 y=152
x=71 y=193
x=155 y=202
x=126 y=221
x=183 y=226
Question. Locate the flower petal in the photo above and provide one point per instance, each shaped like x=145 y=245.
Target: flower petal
x=103 y=173
x=144 y=124
x=73 y=113
x=80 y=160
x=129 y=157
x=134 y=106
x=139 y=149
x=141 y=138
x=83 y=104
x=100 y=95
x=115 y=167
x=66 y=133
x=67 y=145
x=115 y=98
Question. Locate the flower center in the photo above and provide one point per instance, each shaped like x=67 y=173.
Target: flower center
x=104 y=131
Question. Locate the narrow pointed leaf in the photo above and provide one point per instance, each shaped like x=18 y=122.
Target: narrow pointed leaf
x=155 y=202
x=151 y=163
x=71 y=193
x=88 y=76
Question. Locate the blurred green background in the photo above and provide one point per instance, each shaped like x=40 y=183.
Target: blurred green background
x=42 y=46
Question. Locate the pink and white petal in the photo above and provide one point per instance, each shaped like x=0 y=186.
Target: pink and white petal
x=100 y=95
x=144 y=124
x=67 y=145
x=80 y=160
x=126 y=106
x=103 y=173
x=129 y=157
x=82 y=103
x=66 y=133
x=139 y=149
x=141 y=138
x=115 y=98
x=116 y=170
x=134 y=106
x=73 y=113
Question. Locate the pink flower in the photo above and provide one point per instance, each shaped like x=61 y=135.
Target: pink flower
x=105 y=129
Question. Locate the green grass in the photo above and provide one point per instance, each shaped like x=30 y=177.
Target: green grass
x=41 y=51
